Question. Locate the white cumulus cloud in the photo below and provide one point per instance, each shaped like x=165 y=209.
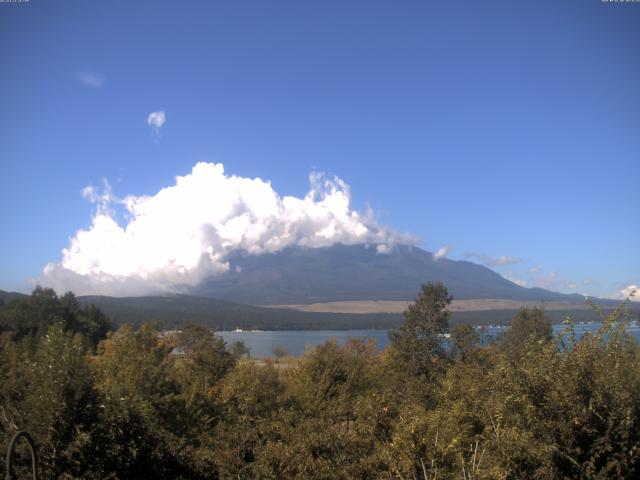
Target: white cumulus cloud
x=156 y=120
x=184 y=233
x=631 y=292
x=442 y=252
x=490 y=261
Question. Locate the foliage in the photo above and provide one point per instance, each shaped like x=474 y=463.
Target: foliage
x=528 y=326
x=279 y=351
x=31 y=317
x=47 y=390
x=417 y=343
x=238 y=349
x=464 y=340
x=147 y=404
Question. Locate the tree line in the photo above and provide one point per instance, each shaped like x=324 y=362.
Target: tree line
x=134 y=403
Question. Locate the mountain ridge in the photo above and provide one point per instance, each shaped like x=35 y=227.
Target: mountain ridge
x=340 y=273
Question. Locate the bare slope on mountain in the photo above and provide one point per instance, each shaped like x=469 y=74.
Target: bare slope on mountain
x=399 y=306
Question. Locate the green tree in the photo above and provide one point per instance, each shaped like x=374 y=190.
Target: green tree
x=143 y=416
x=528 y=326
x=418 y=341
x=464 y=341
x=252 y=401
x=280 y=352
x=239 y=349
x=331 y=426
x=32 y=316
x=205 y=358
x=48 y=390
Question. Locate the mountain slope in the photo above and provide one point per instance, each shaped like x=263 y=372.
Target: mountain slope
x=6 y=297
x=306 y=275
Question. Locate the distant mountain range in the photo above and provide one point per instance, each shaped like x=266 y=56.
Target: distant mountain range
x=6 y=297
x=339 y=273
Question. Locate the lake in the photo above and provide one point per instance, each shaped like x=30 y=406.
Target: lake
x=261 y=343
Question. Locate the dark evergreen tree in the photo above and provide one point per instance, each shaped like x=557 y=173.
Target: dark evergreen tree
x=418 y=341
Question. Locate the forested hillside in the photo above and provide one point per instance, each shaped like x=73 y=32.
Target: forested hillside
x=173 y=310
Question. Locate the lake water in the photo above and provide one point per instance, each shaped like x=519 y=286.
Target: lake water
x=261 y=343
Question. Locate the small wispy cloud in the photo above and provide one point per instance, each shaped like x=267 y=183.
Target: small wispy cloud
x=89 y=79
x=102 y=198
x=156 y=120
x=554 y=281
x=442 y=252
x=547 y=281
x=490 y=261
x=535 y=269
x=517 y=281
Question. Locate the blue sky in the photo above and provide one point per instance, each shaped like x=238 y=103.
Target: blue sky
x=502 y=129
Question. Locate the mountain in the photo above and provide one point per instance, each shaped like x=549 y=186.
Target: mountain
x=340 y=273
x=6 y=297
x=298 y=276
